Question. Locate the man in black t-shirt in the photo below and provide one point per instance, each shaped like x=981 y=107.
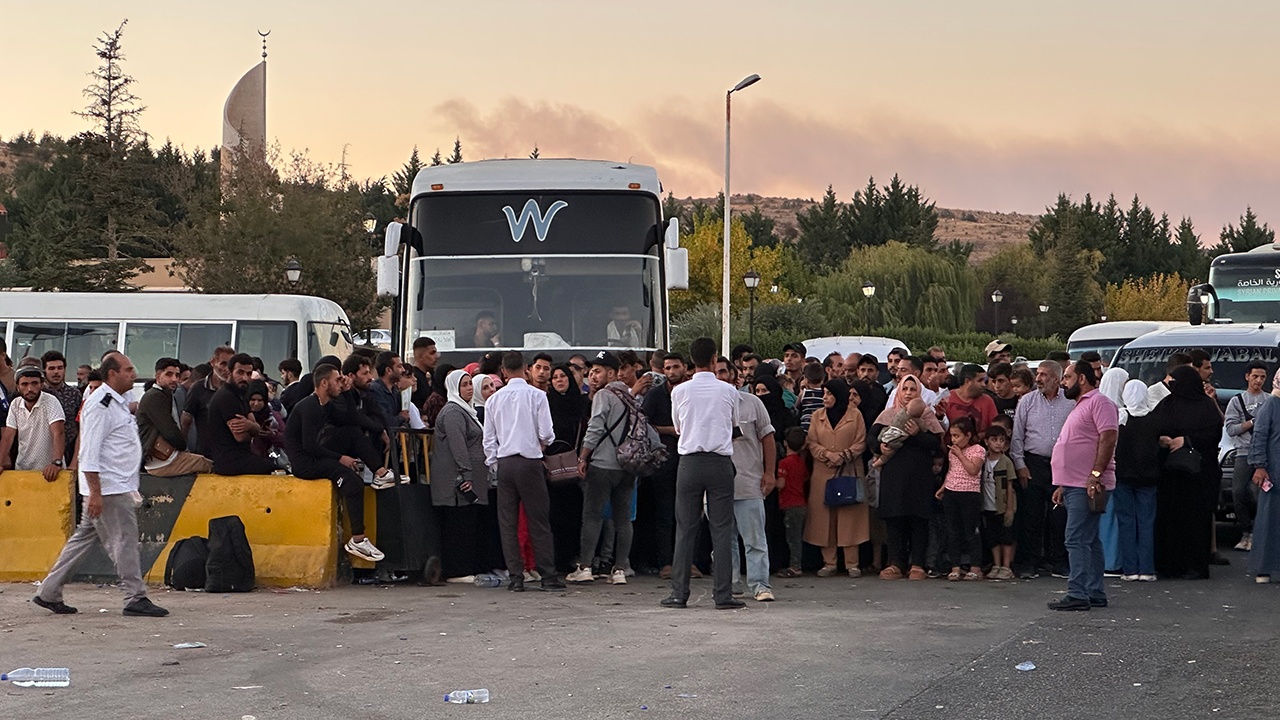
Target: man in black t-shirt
x=196 y=408
x=1000 y=388
x=657 y=410
x=231 y=426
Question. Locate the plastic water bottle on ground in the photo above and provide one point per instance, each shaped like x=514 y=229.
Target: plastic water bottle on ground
x=51 y=677
x=488 y=580
x=467 y=697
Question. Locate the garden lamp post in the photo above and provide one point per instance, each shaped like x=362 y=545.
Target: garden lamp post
x=752 y=281
x=868 y=292
x=293 y=272
x=996 y=297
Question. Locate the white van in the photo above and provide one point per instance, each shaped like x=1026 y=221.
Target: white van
x=147 y=326
x=1105 y=338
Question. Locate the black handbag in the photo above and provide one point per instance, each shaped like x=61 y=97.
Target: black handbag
x=846 y=488
x=1185 y=459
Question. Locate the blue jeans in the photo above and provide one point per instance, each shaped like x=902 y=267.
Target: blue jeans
x=1135 y=510
x=750 y=517
x=1084 y=547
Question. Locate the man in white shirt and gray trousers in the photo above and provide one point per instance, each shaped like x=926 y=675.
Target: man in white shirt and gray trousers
x=110 y=457
x=705 y=412
x=517 y=428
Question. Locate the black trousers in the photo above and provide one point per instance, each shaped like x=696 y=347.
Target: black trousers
x=347 y=441
x=243 y=463
x=662 y=485
x=908 y=539
x=1041 y=529
x=523 y=480
x=711 y=475
x=964 y=513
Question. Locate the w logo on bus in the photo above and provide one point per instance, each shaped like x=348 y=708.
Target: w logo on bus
x=532 y=213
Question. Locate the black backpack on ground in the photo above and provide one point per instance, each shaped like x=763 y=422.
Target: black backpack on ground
x=184 y=570
x=230 y=564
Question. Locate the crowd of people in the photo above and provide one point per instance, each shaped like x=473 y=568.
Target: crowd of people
x=749 y=468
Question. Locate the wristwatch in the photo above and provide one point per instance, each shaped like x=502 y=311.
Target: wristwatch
x=56 y=463
x=1095 y=474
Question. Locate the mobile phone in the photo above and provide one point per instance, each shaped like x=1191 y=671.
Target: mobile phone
x=1266 y=486
x=470 y=496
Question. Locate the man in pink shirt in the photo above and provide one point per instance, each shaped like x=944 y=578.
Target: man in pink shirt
x=1083 y=464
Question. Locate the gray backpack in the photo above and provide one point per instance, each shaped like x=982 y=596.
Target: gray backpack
x=641 y=451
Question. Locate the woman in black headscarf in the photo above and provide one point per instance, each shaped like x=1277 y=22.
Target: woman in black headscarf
x=569 y=412
x=1185 y=500
x=837 y=437
x=770 y=393
x=436 y=401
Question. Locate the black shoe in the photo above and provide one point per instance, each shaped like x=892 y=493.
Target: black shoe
x=1098 y=602
x=1062 y=573
x=57 y=608
x=1069 y=603
x=1218 y=559
x=671 y=602
x=732 y=603
x=144 y=608
x=1028 y=575
x=516 y=584
x=552 y=582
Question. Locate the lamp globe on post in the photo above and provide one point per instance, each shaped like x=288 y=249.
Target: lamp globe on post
x=996 y=298
x=746 y=82
x=293 y=272
x=1044 y=325
x=868 y=292
x=752 y=280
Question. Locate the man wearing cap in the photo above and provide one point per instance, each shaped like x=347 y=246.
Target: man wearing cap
x=604 y=480
x=999 y=352
x=37 y=423
x=793 y=358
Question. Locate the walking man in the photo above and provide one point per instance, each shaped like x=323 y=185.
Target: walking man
x=705 y=412
x=1083 y=465
x=110 y=455
x=517 y=428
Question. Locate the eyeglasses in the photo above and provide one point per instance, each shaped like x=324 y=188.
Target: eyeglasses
x=577 y=367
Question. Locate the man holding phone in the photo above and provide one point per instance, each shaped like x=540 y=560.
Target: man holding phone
x=232 y=427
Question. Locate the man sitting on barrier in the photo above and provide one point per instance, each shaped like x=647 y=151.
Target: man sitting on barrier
x=231 y=426
x=164 y=447
x=356 y=411
x=319 y=450
x=36 y=422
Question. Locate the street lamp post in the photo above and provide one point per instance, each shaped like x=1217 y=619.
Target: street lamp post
x=1044 y=317
x=868 y=292
x=724 y=280
x=752 y=281
x=1014 y=321
x=370 y=224
x=996 y=297
x=293 y=272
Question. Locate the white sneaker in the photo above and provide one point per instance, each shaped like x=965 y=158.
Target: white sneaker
x=764 y=595
x=528 y=577
x=364 y=549
x=581 y=575
x=1146 y=578
x=619 y=577
x=1246 y=543
x=1262 y=579
x=386 y=479
x=1129 y=578
x=534 y=574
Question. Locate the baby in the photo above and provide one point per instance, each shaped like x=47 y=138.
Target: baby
x=896 y=434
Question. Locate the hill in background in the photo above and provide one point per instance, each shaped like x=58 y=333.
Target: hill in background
x=988 y=231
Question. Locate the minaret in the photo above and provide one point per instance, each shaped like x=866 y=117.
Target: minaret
x=244 y=116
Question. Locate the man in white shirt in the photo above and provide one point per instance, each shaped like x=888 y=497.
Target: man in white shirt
x=705 y=412
x=517 y=427
x=36 y=422
x=110 y=456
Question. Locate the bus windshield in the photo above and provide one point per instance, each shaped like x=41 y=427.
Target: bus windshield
x=540 y=301
x=1150 y=364
x=1247 y=294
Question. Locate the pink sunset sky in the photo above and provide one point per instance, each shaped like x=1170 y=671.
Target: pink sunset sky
x=985 y=105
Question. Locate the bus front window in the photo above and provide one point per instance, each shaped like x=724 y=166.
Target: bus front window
x=328 y=338
x=552 y=301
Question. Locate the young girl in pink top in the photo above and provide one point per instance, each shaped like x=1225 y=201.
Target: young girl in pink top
x=961 y=496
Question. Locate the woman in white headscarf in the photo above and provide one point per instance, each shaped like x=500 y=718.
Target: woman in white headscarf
x=460 y=485
x=1137 y=471
x=1112 y=388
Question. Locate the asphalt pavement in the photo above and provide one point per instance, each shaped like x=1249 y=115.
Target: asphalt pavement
x=828 y=648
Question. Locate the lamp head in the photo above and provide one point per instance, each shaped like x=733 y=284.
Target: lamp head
x=747 y=81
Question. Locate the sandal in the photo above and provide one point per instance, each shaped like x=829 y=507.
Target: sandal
x=827 y=571
x=972 y=575
x=918 y=573
x=954 y=575
x=891 y=573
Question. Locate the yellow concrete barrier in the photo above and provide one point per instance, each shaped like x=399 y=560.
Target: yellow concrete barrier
x=36 y=518
x=292 y=524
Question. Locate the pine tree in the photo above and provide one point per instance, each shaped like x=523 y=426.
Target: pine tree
x=402 y=180
x=1247 y=237
x=113 y=108
x=535 y=154
x=456 y=157
x=436 y=160
x=823 y=241
x=1075 y=298
x=1193 y=261
x=760 y=228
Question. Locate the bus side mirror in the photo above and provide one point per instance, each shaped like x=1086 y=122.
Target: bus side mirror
x=672 y=235
x=389 y=262
x=677 y=268
x=1195 y=304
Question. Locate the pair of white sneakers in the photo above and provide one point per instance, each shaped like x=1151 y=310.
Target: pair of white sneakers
x=364 y=550
x=584 y=575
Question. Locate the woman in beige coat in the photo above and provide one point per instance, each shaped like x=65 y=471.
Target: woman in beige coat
x=836 y=436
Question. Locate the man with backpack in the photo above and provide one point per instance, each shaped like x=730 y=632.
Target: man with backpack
x=604 y=479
